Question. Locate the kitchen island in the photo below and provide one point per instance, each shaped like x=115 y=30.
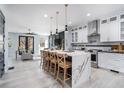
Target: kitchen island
x=81 y=66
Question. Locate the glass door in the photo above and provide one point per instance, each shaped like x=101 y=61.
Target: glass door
x=30 y=47
x=26 y=44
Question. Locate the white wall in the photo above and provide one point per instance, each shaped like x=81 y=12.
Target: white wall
x=14 y=38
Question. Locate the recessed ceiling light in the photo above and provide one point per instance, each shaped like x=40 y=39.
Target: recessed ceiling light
x=45 y=15
x=88 y=14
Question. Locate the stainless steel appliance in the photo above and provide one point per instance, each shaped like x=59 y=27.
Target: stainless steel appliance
x=93 y=31
x=94 y=58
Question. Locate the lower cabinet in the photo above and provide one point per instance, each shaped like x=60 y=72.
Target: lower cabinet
x=112 y=61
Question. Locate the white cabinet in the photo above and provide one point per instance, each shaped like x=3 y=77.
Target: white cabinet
x=114 y=28
x=80 y=35
x=109 y=29
x=85 y=34
x=104 y=30
x=74 y=36
x=112 y=61
x=121 y=27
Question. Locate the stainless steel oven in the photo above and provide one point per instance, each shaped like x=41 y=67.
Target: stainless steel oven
x=94 y=58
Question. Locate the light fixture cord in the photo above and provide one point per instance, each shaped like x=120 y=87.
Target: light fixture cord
x=51 y=25
x=66 y=24
x=57 y=22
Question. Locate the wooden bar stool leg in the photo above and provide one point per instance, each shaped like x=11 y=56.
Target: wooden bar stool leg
x=58 y=73
x=55 y=71
x=64 y=76
x=50 y=67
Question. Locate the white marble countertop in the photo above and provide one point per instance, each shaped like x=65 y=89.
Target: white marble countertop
x=74 y=53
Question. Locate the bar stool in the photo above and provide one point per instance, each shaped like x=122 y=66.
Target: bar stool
x=53 y=64
x=45 y=60
x=41 y=63
x=63 y=75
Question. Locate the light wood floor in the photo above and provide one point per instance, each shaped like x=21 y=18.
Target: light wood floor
x=28 y=74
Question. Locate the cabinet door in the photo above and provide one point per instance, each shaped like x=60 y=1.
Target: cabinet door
x=85 y=34
x=72 y=34
x=104 y=31
x=80 y=36
x=121 y=30
x=114 y=29
x=121 y=27
x=76 y=36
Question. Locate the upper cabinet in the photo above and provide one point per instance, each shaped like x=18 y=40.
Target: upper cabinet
x=114 y=28
x=109 y=29
x=85 y=34
x=104 y=29
x=79 y=35
x=121 y=26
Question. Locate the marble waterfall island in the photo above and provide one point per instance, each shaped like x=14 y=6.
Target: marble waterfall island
x=81 y=68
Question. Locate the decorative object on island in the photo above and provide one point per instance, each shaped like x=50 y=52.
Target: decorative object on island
x=66 y=20
x=2 y=36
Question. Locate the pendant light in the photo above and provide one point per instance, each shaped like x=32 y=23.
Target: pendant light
x=66 y=20
x=57 y=13
x=51 y=25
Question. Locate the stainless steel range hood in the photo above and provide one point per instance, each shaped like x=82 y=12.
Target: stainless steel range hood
x=93 y=31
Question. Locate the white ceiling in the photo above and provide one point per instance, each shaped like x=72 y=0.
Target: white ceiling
x=21 y=17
